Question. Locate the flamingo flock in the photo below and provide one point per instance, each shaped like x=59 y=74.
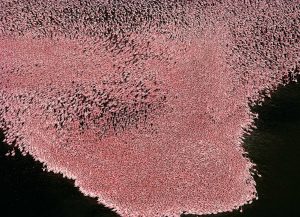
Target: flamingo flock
x=145 y=104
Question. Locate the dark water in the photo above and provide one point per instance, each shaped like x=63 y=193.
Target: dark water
x=27 y=191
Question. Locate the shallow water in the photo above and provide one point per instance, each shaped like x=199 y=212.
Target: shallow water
x=25 y=190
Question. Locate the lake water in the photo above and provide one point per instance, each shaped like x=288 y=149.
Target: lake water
x=27 y=191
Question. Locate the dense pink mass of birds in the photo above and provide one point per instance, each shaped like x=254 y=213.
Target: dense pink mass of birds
x=144 y=103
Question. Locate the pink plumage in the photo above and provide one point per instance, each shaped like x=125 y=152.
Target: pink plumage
x=144 y=103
